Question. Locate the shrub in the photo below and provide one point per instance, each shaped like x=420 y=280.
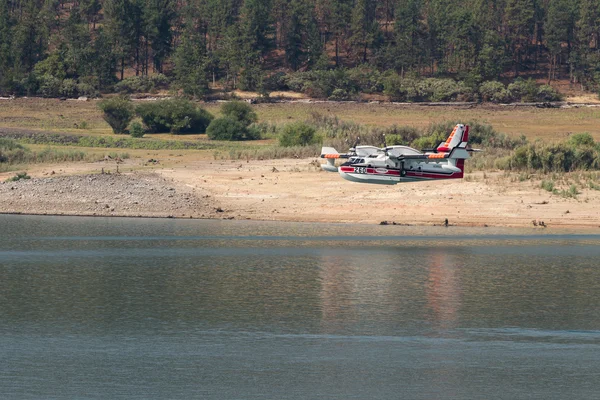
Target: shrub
x=174 y=115
x=136 y=130
x=547 y=185
x=433 y=89
x=393 y=86
x=276 y=81
x=52 y=65
x=366 y=79
x=523 y=90
x=581 y=139
x=548 y=93
x=160 y=81
x=18 y=177
x=429 y=141
x=142 y=84
x=298 y=134
x=86 y=89
x=68 y=88
x=118 y=112
x=226 y=128
x=339 y=95
x=493 y=91
x=239 y=111
x=400 y=135
x=49 y=86
x=11 y=152
x=321 y=83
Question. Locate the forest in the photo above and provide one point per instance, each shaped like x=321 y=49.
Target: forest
x=407 y=49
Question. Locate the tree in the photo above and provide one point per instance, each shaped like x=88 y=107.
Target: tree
x=190 y=61
x=559 y=28
x=158 y=18
x=124 y=24
x=5 y=47
x=79 y=51
x=29 y=37
x=587 y=55
x=519 y=25
x=302 y=44
x=364 y=28
x=105 y=60
x=408 y=38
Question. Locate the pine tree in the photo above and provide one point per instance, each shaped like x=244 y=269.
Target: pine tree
x=364 y=28
x=519 y=25
x=587 y=57
x=190 y=62
x=158 y=21
x=5 y=48
x=559 y=28
x=302 y=45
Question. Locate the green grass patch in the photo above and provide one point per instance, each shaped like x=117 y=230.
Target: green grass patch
x=19 y=176
x=548 y=186
x=105 y=141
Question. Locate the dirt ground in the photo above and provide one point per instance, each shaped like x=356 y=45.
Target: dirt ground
x=287 y=190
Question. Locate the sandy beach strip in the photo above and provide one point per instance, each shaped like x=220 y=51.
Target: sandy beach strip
x=290 y=190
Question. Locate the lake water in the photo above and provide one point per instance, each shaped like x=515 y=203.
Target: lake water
x=101 y=308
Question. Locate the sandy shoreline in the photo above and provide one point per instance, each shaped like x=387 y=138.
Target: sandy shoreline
x=288 y=190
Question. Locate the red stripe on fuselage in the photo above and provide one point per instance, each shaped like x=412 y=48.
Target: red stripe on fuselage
x=429 y=175
x=409 y=174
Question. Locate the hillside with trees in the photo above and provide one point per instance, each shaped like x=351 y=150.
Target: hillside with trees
x=407 y=49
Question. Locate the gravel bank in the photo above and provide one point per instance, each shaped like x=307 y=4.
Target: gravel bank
x=133 y=195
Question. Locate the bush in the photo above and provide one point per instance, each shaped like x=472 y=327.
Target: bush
x=494 y=91
x=11 y=152
x=523 y=90
x=298 y=134
x=433 y=89
x=18 y=177
x=561 y=157
x=68 y=88
x=86 y=89
x=226 y=128
x=239 y=111
x=276 y=81
x=49 y=86
x=366 y=79
x=581 y=139
x=548 y=93
x=400 y=135
x=321 y=83
x=142 y=84
x=393 y=86
x=118 y=112
x=136 y=130
x=174 y=115
x=339 y=95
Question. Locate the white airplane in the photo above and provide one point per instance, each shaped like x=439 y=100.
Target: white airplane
x=394 y=164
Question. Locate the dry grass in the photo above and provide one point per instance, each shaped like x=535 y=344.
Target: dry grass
x=547 y=124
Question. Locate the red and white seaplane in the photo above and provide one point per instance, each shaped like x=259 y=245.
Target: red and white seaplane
x=395 y=164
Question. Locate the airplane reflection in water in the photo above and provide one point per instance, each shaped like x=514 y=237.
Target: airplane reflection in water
x=392 y=290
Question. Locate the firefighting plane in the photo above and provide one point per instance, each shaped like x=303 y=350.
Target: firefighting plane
x=390 y=165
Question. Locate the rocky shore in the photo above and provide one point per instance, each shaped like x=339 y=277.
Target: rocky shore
x=135 y=195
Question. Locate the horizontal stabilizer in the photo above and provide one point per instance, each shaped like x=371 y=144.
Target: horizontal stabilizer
x=329 y=152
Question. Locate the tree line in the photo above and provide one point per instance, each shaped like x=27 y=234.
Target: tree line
x=80 y=47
